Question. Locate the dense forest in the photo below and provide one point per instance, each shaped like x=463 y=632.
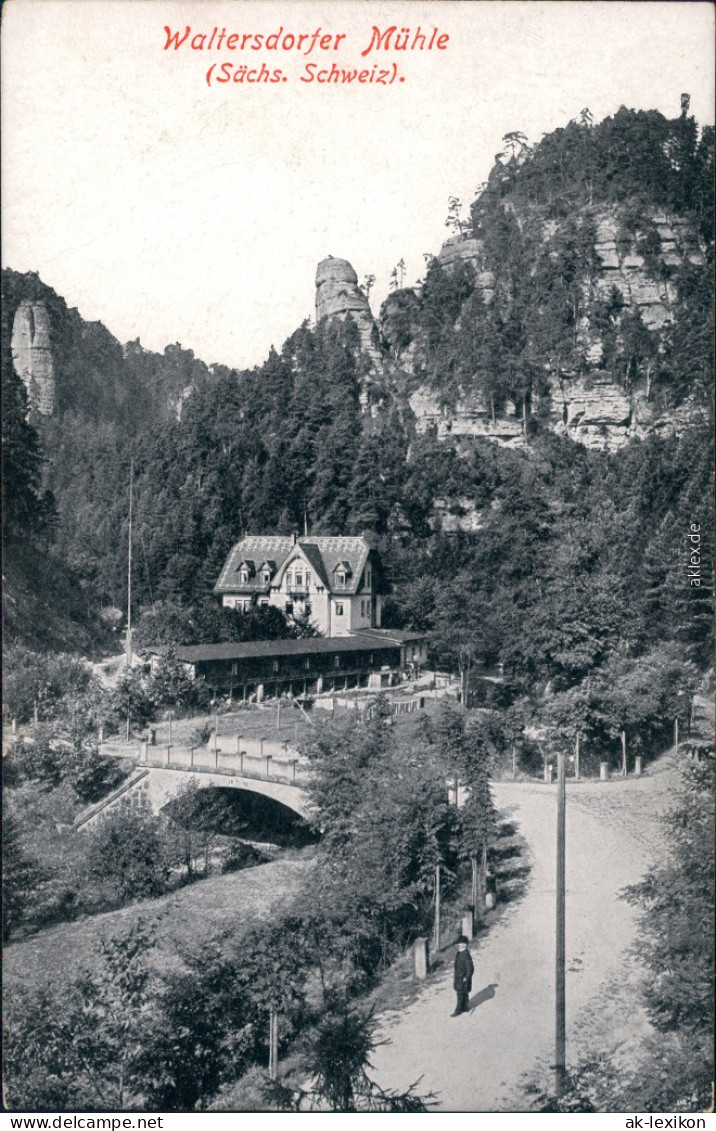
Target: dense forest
x=575 y=577
x=590 y=547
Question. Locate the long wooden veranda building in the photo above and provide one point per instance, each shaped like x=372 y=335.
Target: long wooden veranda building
x=264 y=668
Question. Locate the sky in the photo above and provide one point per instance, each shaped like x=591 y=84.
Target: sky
x=175 y=207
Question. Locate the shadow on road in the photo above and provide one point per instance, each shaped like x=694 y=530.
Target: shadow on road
x=483 y=995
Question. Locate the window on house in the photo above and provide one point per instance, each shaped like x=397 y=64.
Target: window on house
x=308 y=578
x=307 y=663
x=266 y=576
x=275 y=666
x=339 y=609
x=336 y=661
x=289 y=606
x=289 y=579
x=299 y=580
x=370 y=658
x=244 y=577
x=235 y=668
x=340 y=578
x=367 y=576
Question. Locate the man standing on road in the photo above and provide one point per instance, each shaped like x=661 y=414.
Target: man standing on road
x=463 y=976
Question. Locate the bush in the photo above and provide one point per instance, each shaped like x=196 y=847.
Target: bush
x=242 y=855
x=36 y=680
x=127 y=853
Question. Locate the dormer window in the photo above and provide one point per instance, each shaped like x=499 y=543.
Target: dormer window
x=341 y=571
x=244 y=575
x=266 y=577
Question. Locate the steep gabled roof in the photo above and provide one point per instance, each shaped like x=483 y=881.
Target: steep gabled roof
x=259 y=548
x=324 y=554
x=354 y=551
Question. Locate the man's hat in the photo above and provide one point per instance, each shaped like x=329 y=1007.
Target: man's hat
x=463 y=939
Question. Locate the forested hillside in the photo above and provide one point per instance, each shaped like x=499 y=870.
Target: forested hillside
x=586 y=545
x=525 y=435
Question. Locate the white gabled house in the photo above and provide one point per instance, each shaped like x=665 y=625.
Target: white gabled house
x=336 y=582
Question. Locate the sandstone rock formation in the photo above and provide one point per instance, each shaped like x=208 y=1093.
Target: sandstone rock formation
x=338 y=295
x=32 y=355
x=639 y=262
x=471 y=417
x=465 y=249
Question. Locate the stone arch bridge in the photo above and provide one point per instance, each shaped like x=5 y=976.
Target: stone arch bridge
x=273 y=770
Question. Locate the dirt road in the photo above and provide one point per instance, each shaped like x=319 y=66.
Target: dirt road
x=478 y=1061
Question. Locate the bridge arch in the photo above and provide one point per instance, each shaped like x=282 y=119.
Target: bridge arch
x=154 y=787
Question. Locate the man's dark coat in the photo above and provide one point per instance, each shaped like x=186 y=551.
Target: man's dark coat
x=463 y=971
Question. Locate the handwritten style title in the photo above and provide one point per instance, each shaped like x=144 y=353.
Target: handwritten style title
x=316 y=43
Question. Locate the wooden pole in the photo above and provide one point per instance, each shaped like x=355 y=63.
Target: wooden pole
x=436 y=929
x=129 y=574
x=624 y=756
x=514 y=761
x=483 y=878
x=576 y=758
x=559 y=1004
x=475 y=910
x=273 y=1044
x=676 y=736
x=170 y=728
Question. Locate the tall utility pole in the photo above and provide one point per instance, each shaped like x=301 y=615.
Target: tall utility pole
x=436 y=928
x=559 y=1001
x=129 y=591
x=129 y=570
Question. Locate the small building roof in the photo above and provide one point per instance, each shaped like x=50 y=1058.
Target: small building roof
x=390 y=635
x=308 y=646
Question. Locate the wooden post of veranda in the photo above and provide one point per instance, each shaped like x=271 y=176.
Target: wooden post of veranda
x=559 y=1003
x=436 y=928
x=273 y=1044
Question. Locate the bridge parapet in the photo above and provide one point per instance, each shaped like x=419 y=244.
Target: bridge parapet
x=266 y=768
x=161 y=774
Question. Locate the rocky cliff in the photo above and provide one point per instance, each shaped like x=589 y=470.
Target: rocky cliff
x=32 y=355
x=637 y=271
x=338 y=295
x=577 y=299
